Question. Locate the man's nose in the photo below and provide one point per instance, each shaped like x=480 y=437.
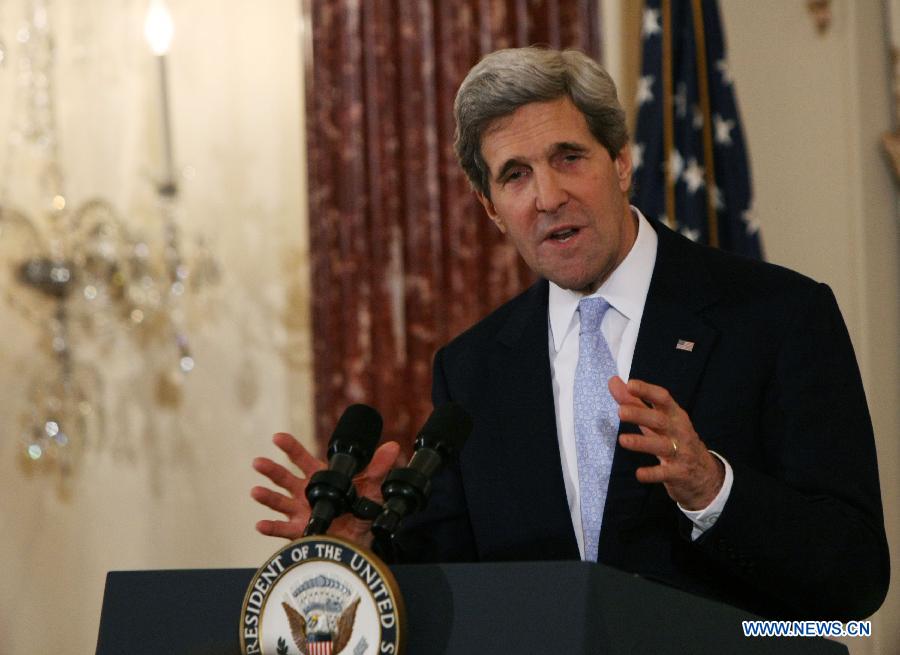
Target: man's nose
x=550 y=194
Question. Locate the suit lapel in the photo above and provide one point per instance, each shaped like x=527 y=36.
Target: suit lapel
x=680 y=289
x=520 y=369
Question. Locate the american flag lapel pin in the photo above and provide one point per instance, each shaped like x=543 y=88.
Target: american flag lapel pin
x=685 y=345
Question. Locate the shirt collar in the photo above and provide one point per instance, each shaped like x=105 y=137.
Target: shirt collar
x=625 y=289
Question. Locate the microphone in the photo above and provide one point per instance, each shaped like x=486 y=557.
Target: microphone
x=330 y=492
x=407 y=490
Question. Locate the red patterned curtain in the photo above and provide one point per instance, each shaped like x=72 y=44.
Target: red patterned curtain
x=403 y=256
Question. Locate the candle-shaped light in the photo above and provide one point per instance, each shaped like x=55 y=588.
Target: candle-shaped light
x=159 y=30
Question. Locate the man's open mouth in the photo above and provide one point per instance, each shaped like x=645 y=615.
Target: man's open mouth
x=563 y=235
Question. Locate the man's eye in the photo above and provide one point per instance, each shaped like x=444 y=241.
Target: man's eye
x=512 y=176
x=572 y=157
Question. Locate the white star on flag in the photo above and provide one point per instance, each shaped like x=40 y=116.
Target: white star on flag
x=645 y=89
x=722 y=67
x=650 y=23
x=749 y=218
x=698 y=118
x=676 y=165
x=637 y=155
x=693 y=175
x=718 y=198
x=680 y=100
x=693 y=235
x=723 y=130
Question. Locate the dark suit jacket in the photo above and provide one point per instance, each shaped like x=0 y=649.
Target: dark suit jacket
x=771 y=384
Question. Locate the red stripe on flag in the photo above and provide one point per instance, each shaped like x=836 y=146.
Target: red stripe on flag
x=320 y=648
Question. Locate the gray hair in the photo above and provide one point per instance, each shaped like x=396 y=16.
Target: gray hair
x=507 y=79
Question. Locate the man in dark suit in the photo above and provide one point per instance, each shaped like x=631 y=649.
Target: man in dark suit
x=737 y=461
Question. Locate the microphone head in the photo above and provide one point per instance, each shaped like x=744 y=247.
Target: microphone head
x=356 y=433
x=446 y=429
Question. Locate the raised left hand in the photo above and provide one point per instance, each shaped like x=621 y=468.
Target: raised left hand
x=691 y=474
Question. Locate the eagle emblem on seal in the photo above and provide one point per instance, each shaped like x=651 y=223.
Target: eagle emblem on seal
x=314 y=634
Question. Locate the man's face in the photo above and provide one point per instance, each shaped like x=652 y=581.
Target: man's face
x=557 y=193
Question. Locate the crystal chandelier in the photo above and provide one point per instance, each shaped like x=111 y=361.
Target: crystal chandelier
x=79 y=271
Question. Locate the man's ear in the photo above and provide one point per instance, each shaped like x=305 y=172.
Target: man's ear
x=491 y=211
x=623 y=167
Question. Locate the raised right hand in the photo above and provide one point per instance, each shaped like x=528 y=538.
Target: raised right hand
x=294 y=505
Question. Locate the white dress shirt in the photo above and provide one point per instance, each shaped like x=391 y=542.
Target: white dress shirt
x=626 y=292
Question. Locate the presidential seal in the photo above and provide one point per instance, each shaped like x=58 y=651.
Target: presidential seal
x=322 y=596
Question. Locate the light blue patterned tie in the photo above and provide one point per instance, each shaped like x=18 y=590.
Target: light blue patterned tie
x=596 y=420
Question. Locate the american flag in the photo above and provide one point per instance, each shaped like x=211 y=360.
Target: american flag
x=691 y=168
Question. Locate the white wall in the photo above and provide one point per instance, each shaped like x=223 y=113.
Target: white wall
x=171 y=488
